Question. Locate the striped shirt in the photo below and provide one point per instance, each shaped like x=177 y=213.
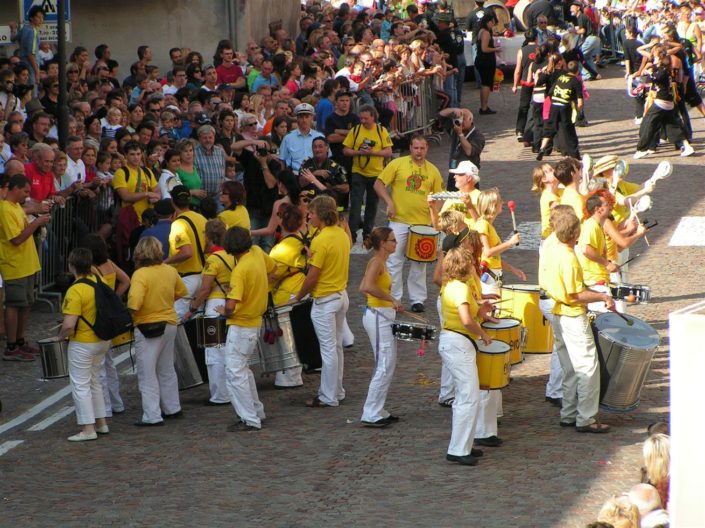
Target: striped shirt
x=210 y=167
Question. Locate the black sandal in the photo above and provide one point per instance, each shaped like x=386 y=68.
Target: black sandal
x=316 y=402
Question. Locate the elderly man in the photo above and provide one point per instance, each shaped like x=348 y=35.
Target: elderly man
x=209 y=160
x=297 y=144
x=39 y=174
x=466 y=142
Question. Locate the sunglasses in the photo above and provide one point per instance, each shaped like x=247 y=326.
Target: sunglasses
x=248 y=124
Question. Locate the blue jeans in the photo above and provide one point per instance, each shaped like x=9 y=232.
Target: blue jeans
x=449 y=87
x=590 y=47
x=259 y=220
x=359 y=187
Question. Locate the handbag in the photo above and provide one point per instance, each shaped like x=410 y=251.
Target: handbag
x=152 y=330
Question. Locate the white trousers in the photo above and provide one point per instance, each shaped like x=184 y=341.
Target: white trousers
x=85 y=360
x=378 y=324
x=328 y=315
x=156 y=376
x=489 y=410
x=416 y=282
x=446 y=391
x=348 y=336
x=240 y=380
x=458 y=354
x=555 y=378
x=576 y=350
x=193 y=284
x=111 y=385
x=215 y=361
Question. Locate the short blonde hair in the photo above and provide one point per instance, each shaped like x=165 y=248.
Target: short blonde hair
x=620 y=512
x=657 y=458
x=565 y=223
x=488 y=203
x=326 y=209
x=451 y=221
x=457 y=264
x=537 y=177
x=148 y=252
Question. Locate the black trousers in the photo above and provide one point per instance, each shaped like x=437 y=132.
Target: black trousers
x=536 y=122
x=651 y=124
x=524 y=106
x=560 y=121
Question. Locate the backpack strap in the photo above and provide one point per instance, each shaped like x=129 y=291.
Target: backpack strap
x=93 y=285
x=201 y=256
x=216 y=278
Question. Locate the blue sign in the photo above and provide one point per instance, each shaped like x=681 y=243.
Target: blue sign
x=50 y=8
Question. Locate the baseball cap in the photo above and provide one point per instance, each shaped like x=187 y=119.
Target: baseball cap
x=467 y=167
x=303 y=108
x=453 y=240
x=202 y=118
x=180 y=195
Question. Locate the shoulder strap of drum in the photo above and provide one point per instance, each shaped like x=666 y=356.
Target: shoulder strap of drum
x=216 y=278
x=201 y=256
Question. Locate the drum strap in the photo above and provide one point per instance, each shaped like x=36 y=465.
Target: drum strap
x=201 y=256
x=216 y=278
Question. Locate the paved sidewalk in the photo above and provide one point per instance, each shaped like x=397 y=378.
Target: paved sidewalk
x=318 y=467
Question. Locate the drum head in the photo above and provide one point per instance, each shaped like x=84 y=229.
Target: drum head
x=506 y=322
x=423 y=230
x=495 y=347
x=639 y=335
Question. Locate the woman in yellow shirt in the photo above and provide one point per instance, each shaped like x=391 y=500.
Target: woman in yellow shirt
x=232 y=196
x=546 y=184
x=457 y=349
x=215 y=285
x=489 y=207
x=86 y=350
x=155 y=287
x=377 y=320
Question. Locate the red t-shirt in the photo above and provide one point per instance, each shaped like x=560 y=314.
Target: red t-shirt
x=229 y=75
x=42 y=183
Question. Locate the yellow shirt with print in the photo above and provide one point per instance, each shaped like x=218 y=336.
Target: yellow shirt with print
x=220 y=265
x=20 y=261
x=153 y=290
x=548 y=198
x=80 y=301
x=454 y=294
x=592 y=234
x=248 y=286
x=624 y=189
x=410 y=185
x=384 y=283
x=483 y=227
x=576 y=200
x=147 y=182
x=562 y=276
x=330 y=252
x=236 y=217
x=369 y=166
x=290 y=261
x=181 y=235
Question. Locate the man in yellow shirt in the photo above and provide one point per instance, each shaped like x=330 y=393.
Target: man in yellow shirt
x=19 y=263
x=326 y=281
x=411 y=179
x=245 y=304
x=368 y=144
x=187 y=240
x=592 y=246
x=560 y=275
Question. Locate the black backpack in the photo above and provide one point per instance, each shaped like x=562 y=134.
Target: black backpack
x=112 y=318
x=458 y=38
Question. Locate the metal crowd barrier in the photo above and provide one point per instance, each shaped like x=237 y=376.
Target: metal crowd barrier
x=419 y=106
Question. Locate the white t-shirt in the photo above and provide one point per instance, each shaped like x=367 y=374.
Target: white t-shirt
x=75 y=171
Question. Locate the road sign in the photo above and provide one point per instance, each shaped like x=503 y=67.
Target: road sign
x=50 y=32
x=50 y=8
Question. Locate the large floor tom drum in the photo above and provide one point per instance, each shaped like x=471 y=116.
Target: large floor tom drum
x=277 y=344
x=185 y=364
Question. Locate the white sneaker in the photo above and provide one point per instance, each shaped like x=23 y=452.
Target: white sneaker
x=103 y=429
x=80 y=437
x=637 y=120
x=643 y=153
x=687 y=151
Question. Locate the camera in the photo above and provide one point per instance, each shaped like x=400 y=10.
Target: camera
x=368 y=143
x=457 y=122
x=263 y=151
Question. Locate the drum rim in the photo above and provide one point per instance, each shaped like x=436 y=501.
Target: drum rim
x=609 y=338
x=487 y=323
x=51 y=340
x=432 y=232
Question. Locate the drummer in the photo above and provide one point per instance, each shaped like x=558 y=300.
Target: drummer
x=290 y=255
x=457 y=350
x=245 y=303
x=215 y=285
x=568 y=172
x=85 y=350
x=466 y=176
x=560 y=275
x=411 y=179
x=378 y=319
x=546 y=184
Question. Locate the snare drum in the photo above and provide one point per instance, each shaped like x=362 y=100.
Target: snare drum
x=521 y=301
x=211 y=331
x=413 y=332
x=508 y=330
x=54 y=356
x=641 y=293
x=493 y=364
x=277 y=345
x=422 y=243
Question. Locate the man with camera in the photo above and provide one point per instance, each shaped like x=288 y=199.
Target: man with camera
x=466 y=142
x=368 y=144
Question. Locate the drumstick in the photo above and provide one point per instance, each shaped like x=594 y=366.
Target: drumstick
x=417 y=317
x=624 y=317
x=510 y=204
x=629 y=260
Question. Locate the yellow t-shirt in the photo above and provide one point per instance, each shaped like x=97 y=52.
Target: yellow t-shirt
x=215 y=267
x=290 y=262
x=236 y=217
x=551 y=239
x=383 y=281
x=612 y=250
x=621 y=212
x=182 y=234
x=410 y=186
x=147 y=183
x=591 y=233
x=330 y=252
x=20 y=261
x=561 y=277
x=483 y=227
x=548 y=198
x=458 y=205
x=248 y=286
x=453 y=295
x=576 y=200
x=153 y=290
x=80 y=301
x=369 y=166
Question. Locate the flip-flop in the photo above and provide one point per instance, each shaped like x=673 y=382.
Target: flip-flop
x=596 y=428
x=316 y=403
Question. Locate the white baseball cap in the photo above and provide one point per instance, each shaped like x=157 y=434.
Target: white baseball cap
x=467 y=167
